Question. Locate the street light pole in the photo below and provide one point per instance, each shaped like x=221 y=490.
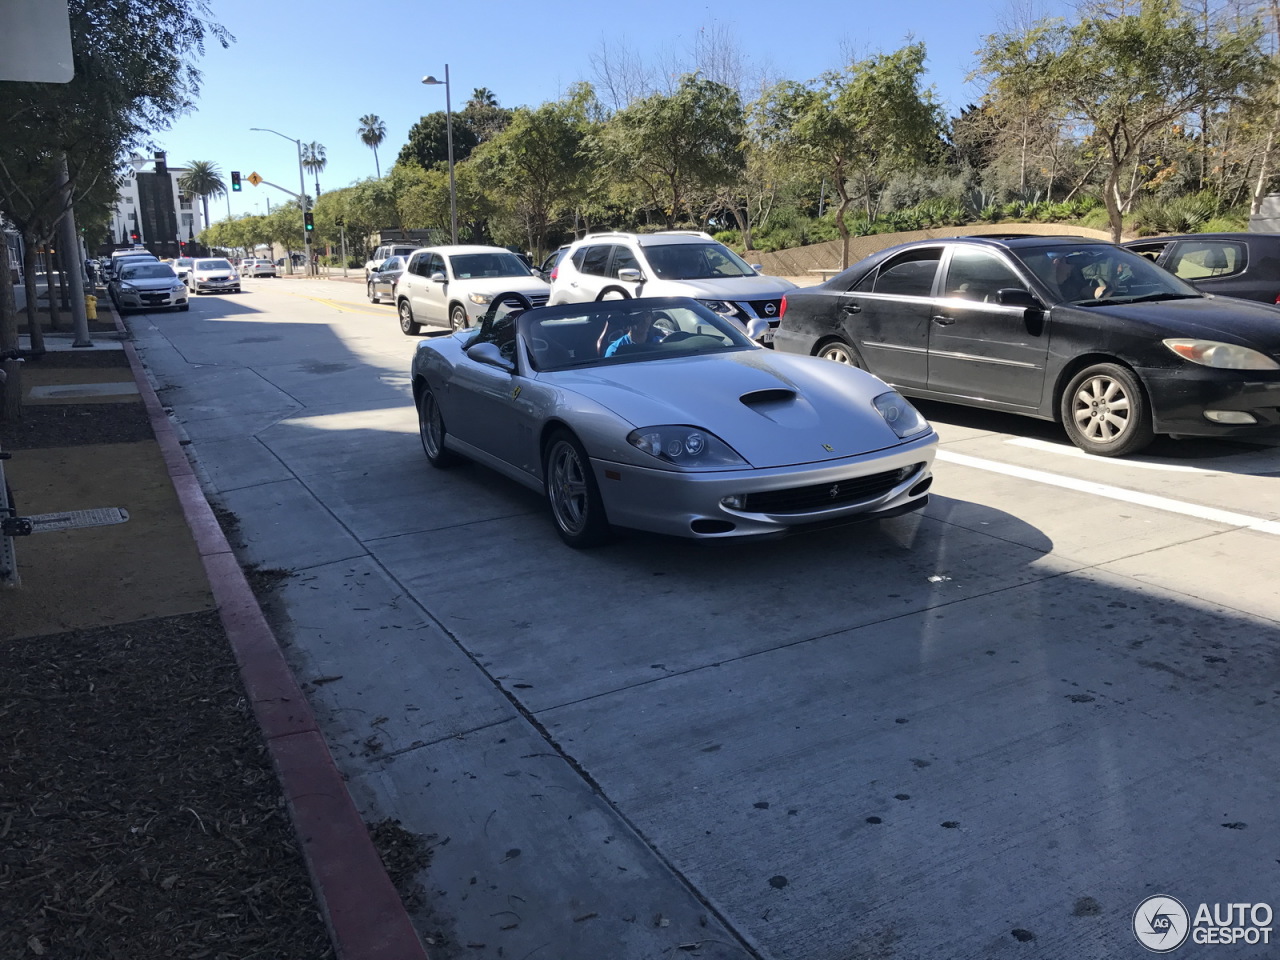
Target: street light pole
x=448 y=129
x=302 y=194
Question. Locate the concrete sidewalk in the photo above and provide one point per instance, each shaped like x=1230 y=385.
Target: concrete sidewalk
x=172 y=557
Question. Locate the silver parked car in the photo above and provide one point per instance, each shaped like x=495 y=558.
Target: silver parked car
x=382 y=282
x=147 y=285
x=212 y=276
x=661 y=415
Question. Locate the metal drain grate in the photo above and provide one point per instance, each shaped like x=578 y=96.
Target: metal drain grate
x=75 y=519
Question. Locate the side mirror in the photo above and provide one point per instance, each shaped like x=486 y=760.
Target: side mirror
x=488 y=353
x=629 y=275
x=1016 y=297
x=439 y=277
x=757 y=328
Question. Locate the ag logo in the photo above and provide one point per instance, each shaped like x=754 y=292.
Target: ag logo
x=1161 y=924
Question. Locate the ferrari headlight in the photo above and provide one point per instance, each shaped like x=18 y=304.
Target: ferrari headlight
x=1223 y=356
x=480 y=297
x=902 y=417
x=722 y=307
x=689 y=448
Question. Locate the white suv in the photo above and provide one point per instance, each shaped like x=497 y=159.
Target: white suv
x=384 y=253
x=453 y=286
x=674 y=263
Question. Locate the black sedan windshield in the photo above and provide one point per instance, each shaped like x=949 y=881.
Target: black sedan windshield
x=696 y=261
x=1094 y=274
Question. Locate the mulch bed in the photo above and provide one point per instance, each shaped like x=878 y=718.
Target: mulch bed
x=140 y=816
x=74 y=424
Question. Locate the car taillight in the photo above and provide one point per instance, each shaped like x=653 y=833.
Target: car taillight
x=1277 y=299
x=782 y=307
x=555 y=272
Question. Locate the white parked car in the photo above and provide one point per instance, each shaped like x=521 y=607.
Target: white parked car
x=673 y=263
x=213 y=275
x=147 y=285
x=383 y=254
x=257 y=268
x=453 y=286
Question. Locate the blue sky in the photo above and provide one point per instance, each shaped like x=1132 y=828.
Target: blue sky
x=312 y=70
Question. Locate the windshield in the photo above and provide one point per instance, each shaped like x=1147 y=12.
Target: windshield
x=696 y=261
x=471 y=266
x=147 y=271
x=1096 y=274
x=627 y=331
x=212 y=265
x=183 y=261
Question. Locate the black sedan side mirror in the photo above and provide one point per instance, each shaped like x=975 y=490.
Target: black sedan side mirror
x=1017 y=297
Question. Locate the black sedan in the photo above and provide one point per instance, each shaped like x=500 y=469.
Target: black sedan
x=1061 y=328
x=1245 y=265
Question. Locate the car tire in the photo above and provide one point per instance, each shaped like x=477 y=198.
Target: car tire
x=840 y=351
x=408 y=326
x=613 y=293
x=458 y=318
x=373 y=294
x=185 y=306
x=572 y=493
x=1105 y=411
x=431 y=431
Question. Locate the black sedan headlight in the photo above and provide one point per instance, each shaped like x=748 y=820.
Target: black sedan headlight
x=904 y=419
x=689 y=448
x=1223 y=356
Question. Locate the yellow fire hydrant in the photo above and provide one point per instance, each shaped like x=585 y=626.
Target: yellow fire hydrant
x=91 y=308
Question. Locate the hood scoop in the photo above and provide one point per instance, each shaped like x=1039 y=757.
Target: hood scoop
x=772 y=397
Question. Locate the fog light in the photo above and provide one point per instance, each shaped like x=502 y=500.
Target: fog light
x=735 y=502
x=1230 y=416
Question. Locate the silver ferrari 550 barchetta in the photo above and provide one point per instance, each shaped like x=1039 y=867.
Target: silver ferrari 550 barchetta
x=659 y=415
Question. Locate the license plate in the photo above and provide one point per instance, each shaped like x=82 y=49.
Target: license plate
x=767 y=336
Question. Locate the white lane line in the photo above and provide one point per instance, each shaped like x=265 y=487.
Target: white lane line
x=1212 y=514
x=1218 y=465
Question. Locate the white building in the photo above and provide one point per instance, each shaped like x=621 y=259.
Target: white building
x=143 y=209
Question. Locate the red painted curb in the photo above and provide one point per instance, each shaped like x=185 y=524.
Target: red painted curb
x=365 y=916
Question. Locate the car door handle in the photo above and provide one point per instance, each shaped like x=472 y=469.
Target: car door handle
x=851 y=308
x=943 y=321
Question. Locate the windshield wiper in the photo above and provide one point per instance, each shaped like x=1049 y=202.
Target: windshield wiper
x=1147 y=298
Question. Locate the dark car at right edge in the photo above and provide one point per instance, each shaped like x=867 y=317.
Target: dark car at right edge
x=1079 y=331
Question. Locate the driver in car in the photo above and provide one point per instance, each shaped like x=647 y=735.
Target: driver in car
x=640 y=329
x=1072 y=284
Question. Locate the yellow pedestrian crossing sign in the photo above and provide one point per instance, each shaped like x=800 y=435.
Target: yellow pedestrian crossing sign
x=254 y=178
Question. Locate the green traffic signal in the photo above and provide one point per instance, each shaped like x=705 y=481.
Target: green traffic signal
x=235 y=181
x=309 y=221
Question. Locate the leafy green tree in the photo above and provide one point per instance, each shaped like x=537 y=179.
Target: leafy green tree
x=539 y=163
x=1124 y=78
x=669 y=147
x=372 y=132
x=202 y=179
x=483 y=115
x=422 y=199
x=428 y=142
x=855 y=127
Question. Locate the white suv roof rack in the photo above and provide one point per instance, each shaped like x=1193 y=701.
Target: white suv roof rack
x=641 y=236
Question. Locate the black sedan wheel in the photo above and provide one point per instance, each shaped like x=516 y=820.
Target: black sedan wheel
x=457 y=318
x=572 y=493
x=1105 y=411
x=408 y=326
x=373 y=293
x=840 y=352
x=431 y=430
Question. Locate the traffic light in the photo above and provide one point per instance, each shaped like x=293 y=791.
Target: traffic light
x=235 y=181
x=134 y=236
x=309 y=221
x=161 y=166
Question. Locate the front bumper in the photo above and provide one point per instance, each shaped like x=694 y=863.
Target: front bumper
x=151 y=299
x=692 y=504
x=1180 y=399
x=203 y=286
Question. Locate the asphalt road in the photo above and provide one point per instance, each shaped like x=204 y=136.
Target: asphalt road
x=987 y=731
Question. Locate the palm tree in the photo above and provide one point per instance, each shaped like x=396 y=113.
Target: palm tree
x=202 y=179
x=372 y=132
x=483 y=97
x=314 y=160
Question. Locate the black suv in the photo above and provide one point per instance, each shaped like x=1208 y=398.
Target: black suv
x=1245 y=265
